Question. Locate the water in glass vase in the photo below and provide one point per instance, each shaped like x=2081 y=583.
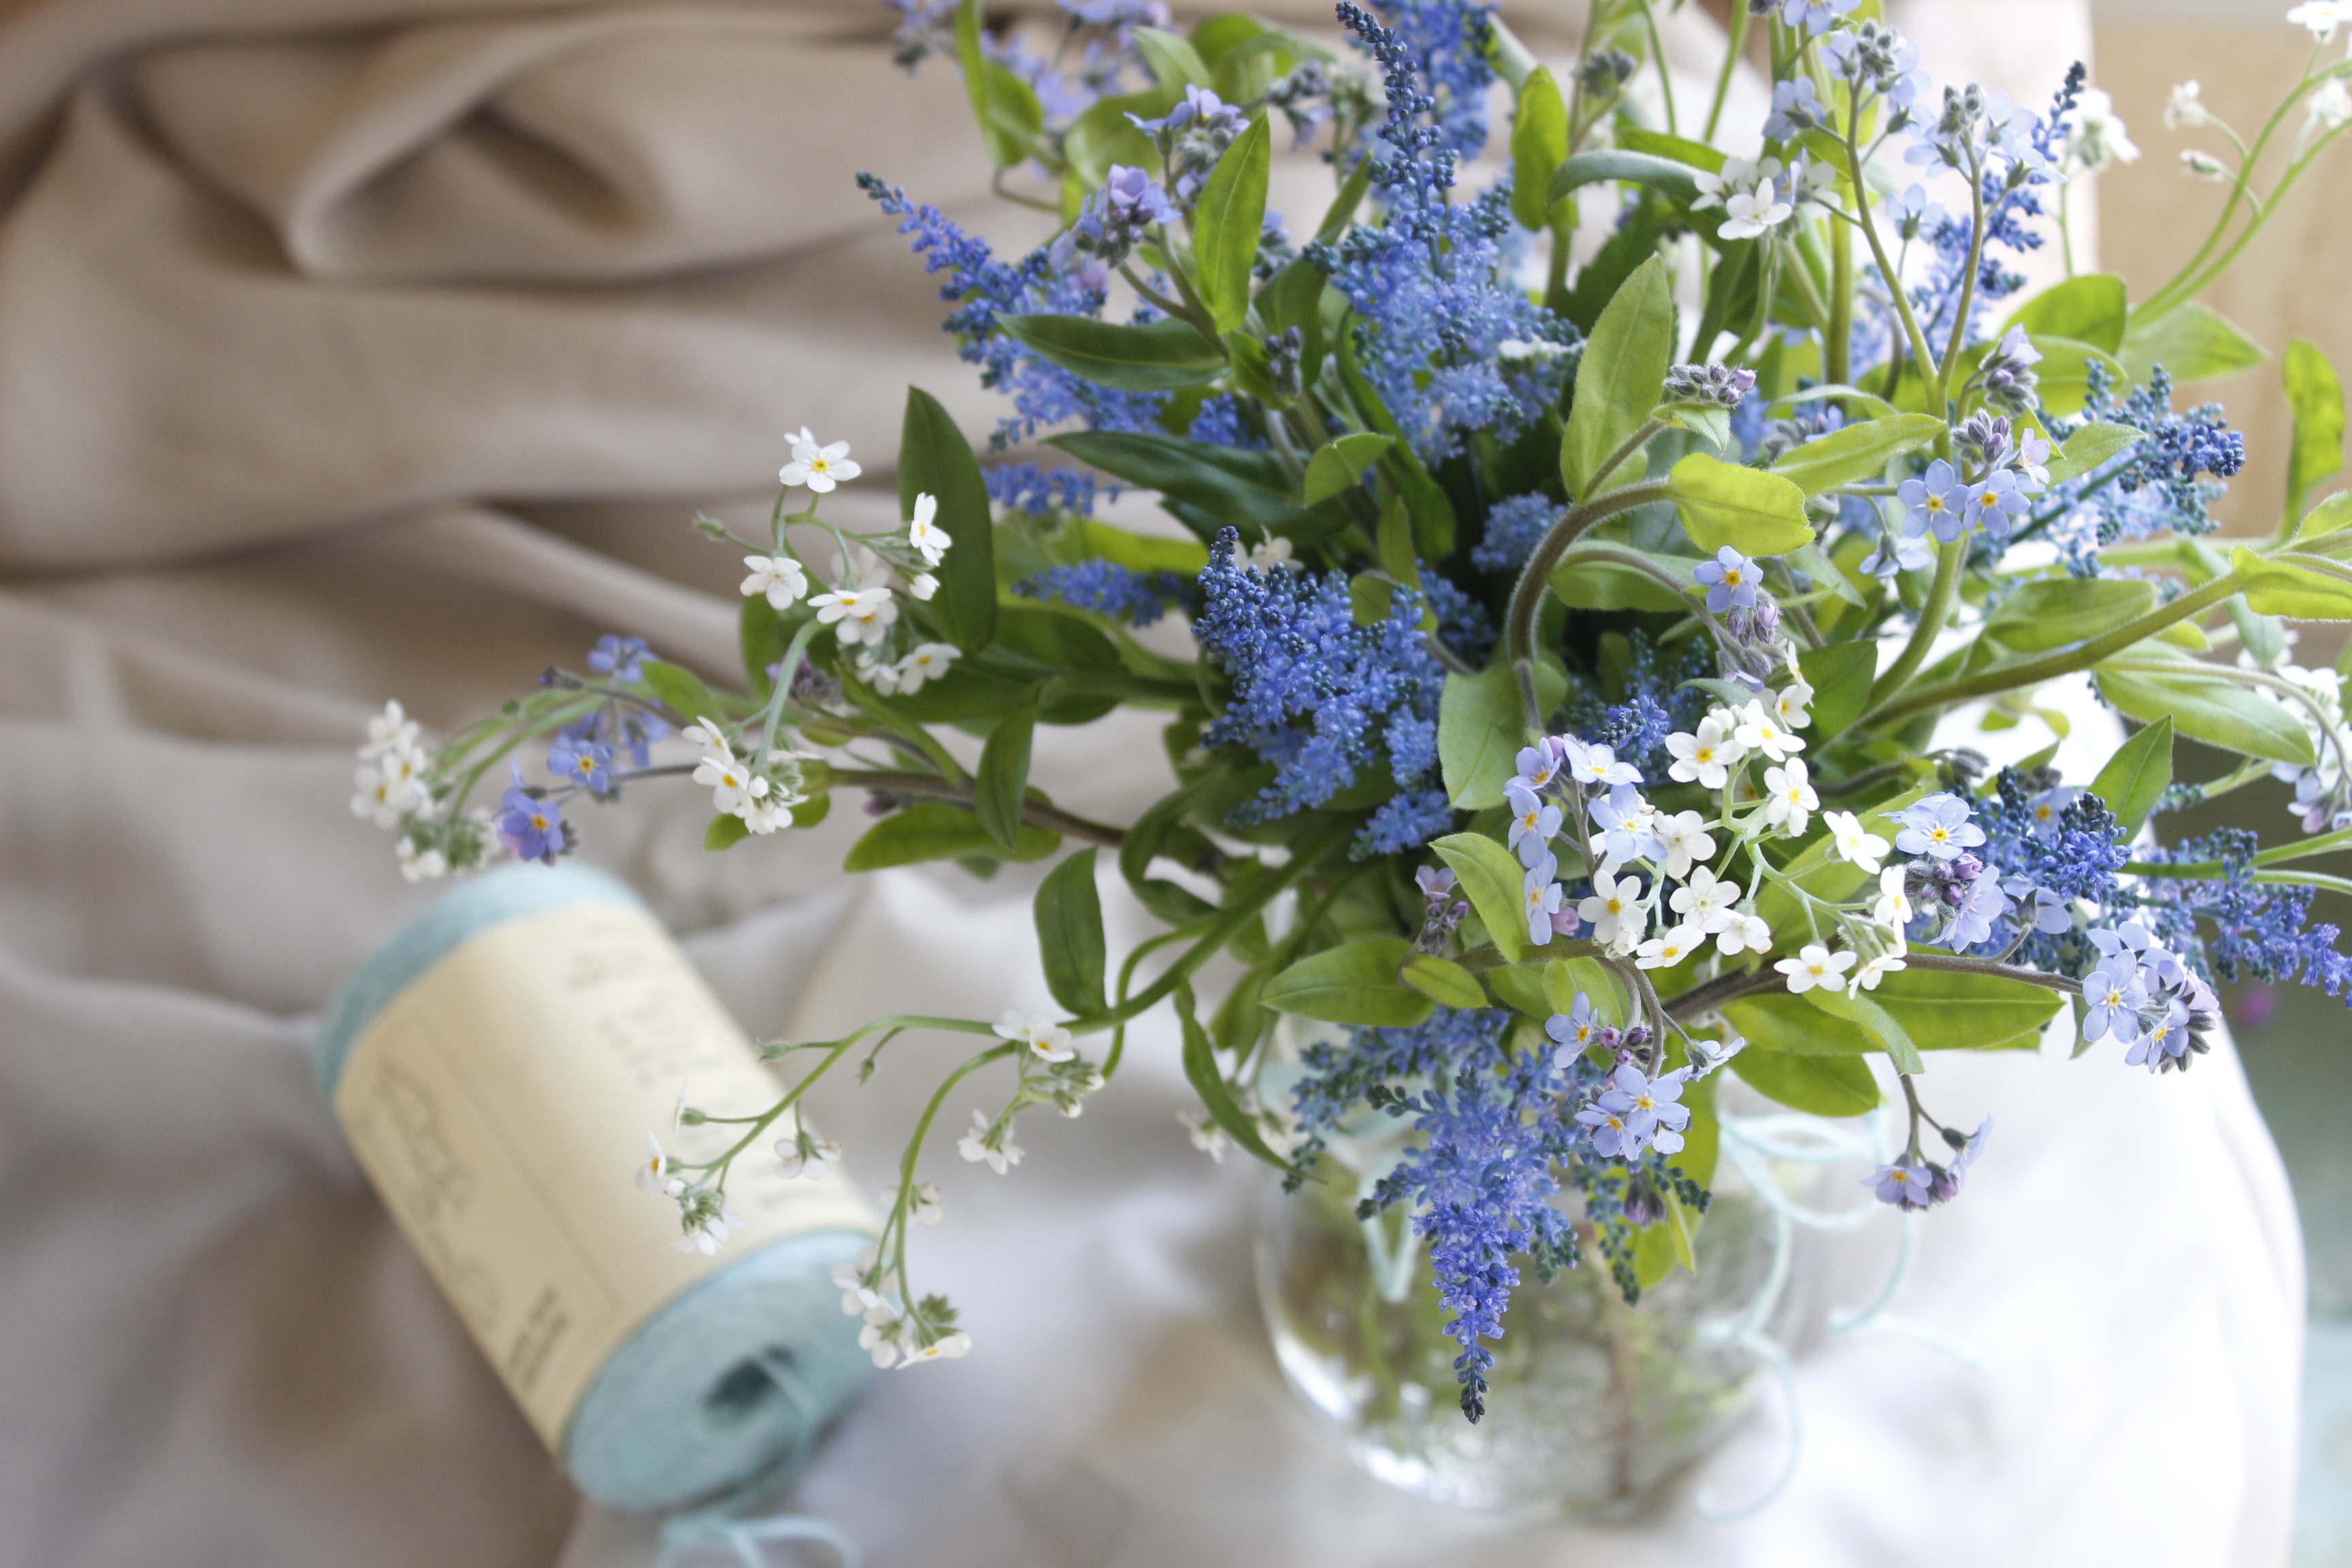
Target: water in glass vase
x=1594 y=1409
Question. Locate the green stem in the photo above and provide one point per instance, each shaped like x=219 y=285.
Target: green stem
x=1886 y=268
x=1035 y=813
x=1527 y=598
x=1932 y=616
x=1740 y=20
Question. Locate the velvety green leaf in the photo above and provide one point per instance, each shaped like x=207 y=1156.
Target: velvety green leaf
x=1228 y=222
x=936 y=831
x=2275 y=587
x=1208 y=1082
x=1788 y=1024
x=2053 y=612
x=2193 y=340
x=682 y=690
x=1494 y=881
x=1624 y=367
x=1161 y=356
x=1865 y=1013
x=1588 y=580
x=934 y=459
x=725 y=832
x=1840 y=674
x=1070 y=934
x=1823 y=1086
x=2090 y=309
x=1443 y=981
x=1674 y=178
x=2088 y=447
x=1722 y=503
x=1538 y=147
x=1341 y=462
x=1059 y=639
x=2138 y=775
x=2330 y=516
x=1857 y=452
x=2315 y=398
x=1481 y=727
x=1171 y=59
x=2211 y=709
x=1356 y=983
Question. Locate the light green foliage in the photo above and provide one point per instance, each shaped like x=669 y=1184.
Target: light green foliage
x=1341 y=462
x=1754 y=512
x=935 y=461
x=1857 y=452
x=1070 y=934
x=936 y=831
x=2315 y=399
x=2056 y=611
x=1625 y=363
x=1357 y=984
x=1480 y=730
x=1538 y=147
x=1491 y=877
x=2194 y=341
x=2136 y=776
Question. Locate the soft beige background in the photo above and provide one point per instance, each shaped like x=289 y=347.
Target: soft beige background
x=350 y=351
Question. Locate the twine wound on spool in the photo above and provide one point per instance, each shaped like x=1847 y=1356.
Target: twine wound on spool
x=495 y=1067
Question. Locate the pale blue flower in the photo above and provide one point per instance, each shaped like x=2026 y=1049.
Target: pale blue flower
x=1731 y=579
x=1935 y=502
x=1906 y=1186
x=2113 y=995
x=1937 y=826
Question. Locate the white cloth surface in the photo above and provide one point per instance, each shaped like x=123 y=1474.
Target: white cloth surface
x=295 y=297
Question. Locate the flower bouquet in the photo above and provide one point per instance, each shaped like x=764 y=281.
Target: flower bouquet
x=1582 y=571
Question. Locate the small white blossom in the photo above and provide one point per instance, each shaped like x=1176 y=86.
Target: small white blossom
x=1872 y=970
x=1762 y=731
x=1894 y=907
x=1815 y=965
x=880 y=1337
x=779 y=578
x=2321 y=18
x=1594 y=764
x=947 y=1347
x=388 y=788
x=419 y=865
x=659 y=1177
x=819 y=468
x=1748 y=214
x=1706 y=902
x=925 y=1210
x=975 y=1146
x=857 y=1296
x=924 y=534
x=1207 y=1137
x=1853 y=844
x=389 y=731
x=1687 y=843
x=925 y=663
x=2095 y=135
x=1046 y=1040
x=1519 y=350
x=2203 y=165
x=862 y=609
x=1707 y=757
x=2331 y=108
x=922 y=585
x=2186 y=108
x=801 y=1156
x=1665 y=952
x=1745 y=931
x=1615 y=909
x=733 y=785
x=1793 y=706
x=1789 y=798
x=1265 y=557
x=708 y=1231
x=766 y=815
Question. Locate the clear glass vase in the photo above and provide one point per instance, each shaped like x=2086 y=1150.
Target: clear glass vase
x=1594 y=1407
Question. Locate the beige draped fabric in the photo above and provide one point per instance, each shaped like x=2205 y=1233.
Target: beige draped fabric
x=353 y=351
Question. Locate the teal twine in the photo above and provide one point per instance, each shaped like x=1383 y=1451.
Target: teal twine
x=725 y=1391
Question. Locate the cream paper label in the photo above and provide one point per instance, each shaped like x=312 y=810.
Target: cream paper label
x=501 y=1106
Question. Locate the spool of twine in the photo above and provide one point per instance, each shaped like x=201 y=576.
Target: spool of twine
x=495 y=1068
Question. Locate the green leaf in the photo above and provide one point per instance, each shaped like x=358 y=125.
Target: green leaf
x=2091 y=308
x=1480 y=729
x=1711 y=420
x=682 y=690
x=1495 y=883
x=934 y=459
x=1433 y=513
x=1840 y=674
x=1857 y=452
x=1722 y=503
x=1070 y=934
x=1825 y=1086
x=2055 y=611
x=1342 y=210
x=1004 y=105
x=1587 y=579
x=1172 y=60
x=1672 y=176
x=2315 y=398
x=1356 y=983
x=1161 y=356
x=936 y=831
x=725 y=832
x=1293 y=298
x=1680 y=149
x=2193 y=340
x=1623 y=369
x=1341 y=462
x=1208 y=1082
x=2330 y=516
x=1104 y=135
x=2211 y=709
x=2088 y=447
x=2275 y=587
x=2136 y=776
x=1058 y=639
x=1538 y=146
x=1228 y=222
x=1565 y=979
x=1443 y=981
x=1953 y=1010
x=1002 y=780
x=1249 y=490
x=1139 y=551
x=1875 y=1021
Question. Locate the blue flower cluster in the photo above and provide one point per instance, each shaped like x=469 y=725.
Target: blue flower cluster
x=1513 y=528
x=1038 y=490
x=1314 y=693
x=2258 y=930
x=1462 y=623
x=1659 y=700
x=2052 y=845
x=983 y=288
x=1220 y=423
x=1139 y=598
x=2162 y=482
